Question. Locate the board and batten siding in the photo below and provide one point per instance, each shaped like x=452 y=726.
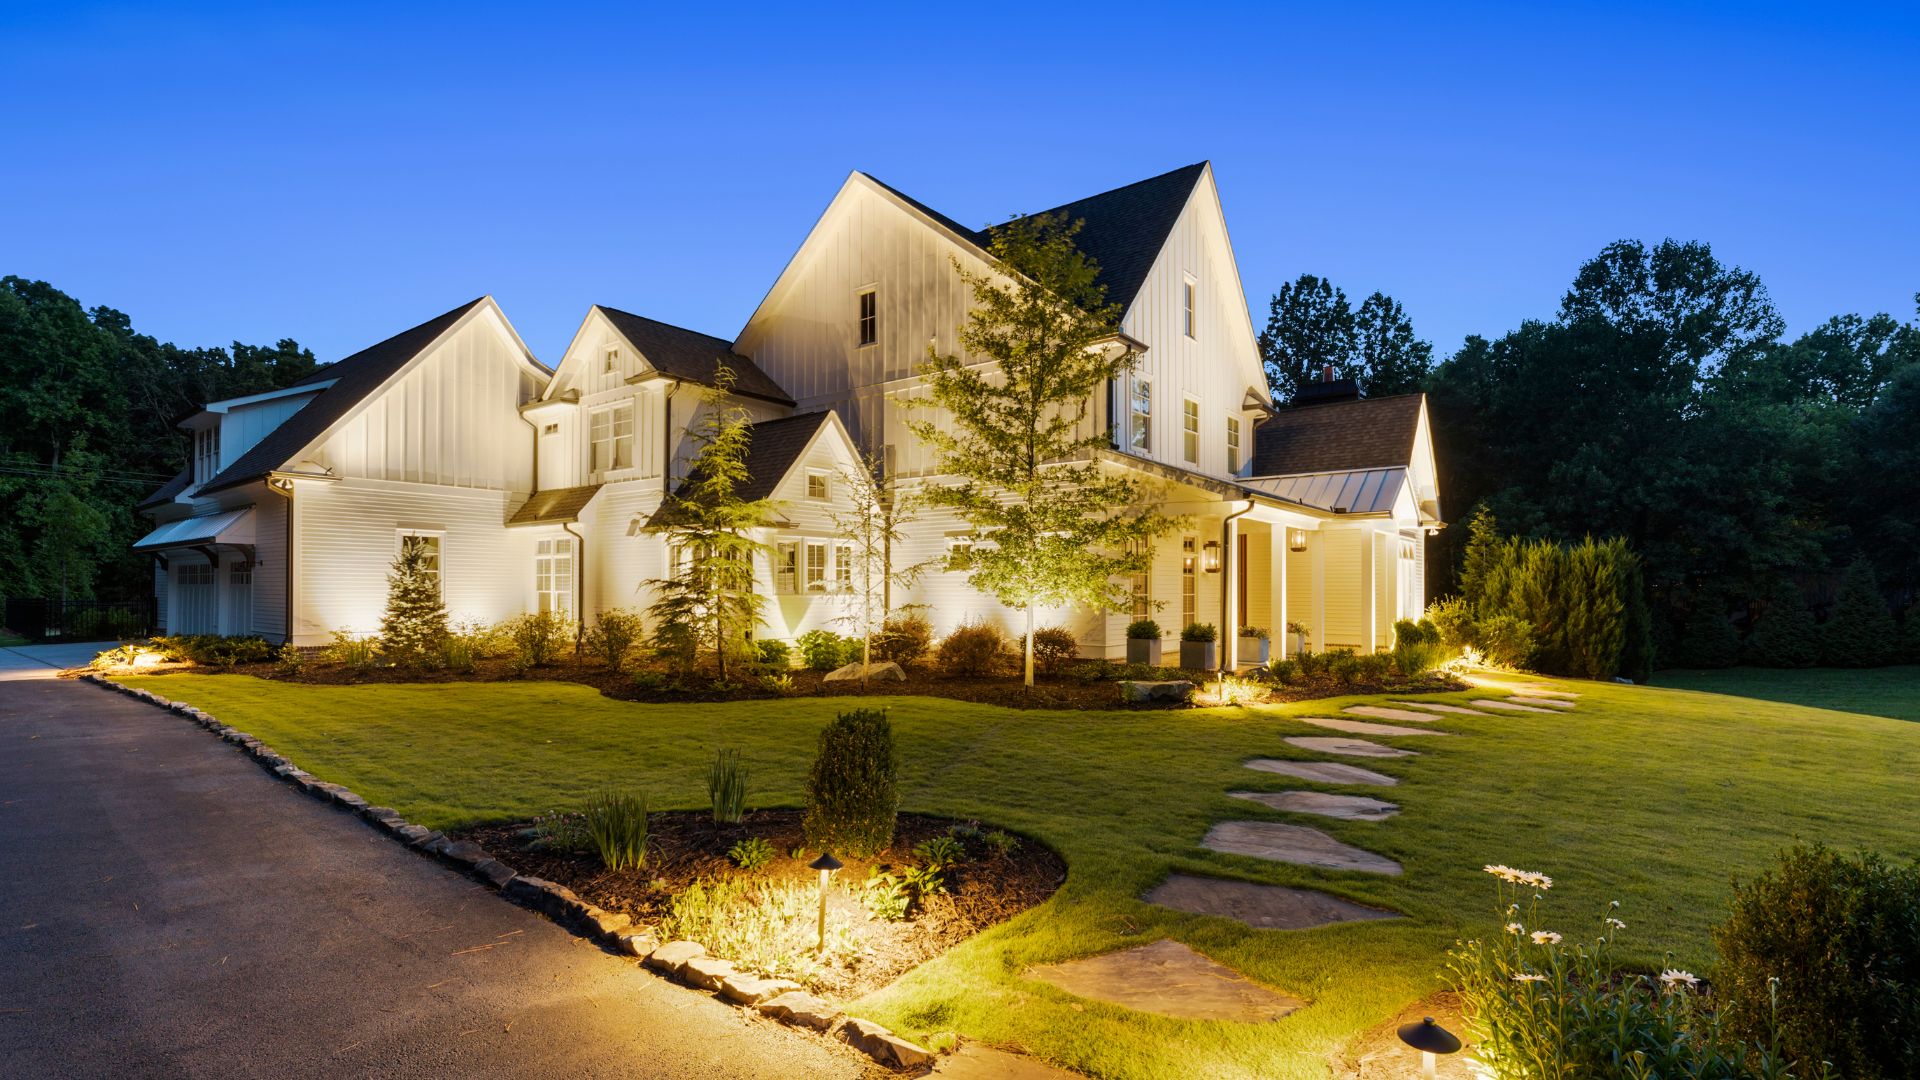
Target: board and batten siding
x=270 y=563
x=244 y=425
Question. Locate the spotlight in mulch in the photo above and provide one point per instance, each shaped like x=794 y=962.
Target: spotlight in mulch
x=1429 y=1038
x=826 y=864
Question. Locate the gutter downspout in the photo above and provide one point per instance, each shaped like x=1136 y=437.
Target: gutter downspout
x=286 y=619
x=579 y=586
x=666 y=438
x=1231 y=645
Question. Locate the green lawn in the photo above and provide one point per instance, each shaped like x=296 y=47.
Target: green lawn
x=1652 y=797
x=1888 y=691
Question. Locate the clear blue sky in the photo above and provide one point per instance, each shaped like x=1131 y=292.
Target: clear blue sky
x=338 y=175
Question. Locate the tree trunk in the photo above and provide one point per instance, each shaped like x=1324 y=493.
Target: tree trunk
x=1029 y=644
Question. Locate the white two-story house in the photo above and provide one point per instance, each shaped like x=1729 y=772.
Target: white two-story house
x=536 y=486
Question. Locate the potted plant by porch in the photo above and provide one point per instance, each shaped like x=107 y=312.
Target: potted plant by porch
x=1143 y=642
x=1296 y=639
x=1253 y=645
x=1198 y=649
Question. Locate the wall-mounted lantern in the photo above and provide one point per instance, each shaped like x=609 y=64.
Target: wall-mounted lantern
x=1296 y=539
x=1210 y=557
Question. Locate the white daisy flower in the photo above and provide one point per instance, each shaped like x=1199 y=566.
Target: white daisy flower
x=1545 y=937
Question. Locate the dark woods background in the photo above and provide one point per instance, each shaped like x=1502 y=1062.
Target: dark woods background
x=1662 y=403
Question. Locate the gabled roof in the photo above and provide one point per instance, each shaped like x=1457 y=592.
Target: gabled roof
x=1372 y=433
x=775 y=446
x=1124 y=229
x=167 y=491
x=354 y=379
x=555 y=505
x=693 y=356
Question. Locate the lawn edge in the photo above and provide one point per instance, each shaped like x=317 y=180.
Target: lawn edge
x=610 y=930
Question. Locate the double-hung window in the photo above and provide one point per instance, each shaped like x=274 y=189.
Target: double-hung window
x=1233 y=445
x=786 y=568
x=431 y=565
x=206 y=454
x=1188 y=317
x=1190 y=431
x=843 y=567
x=1142 y=415
x=553 y=574
x=612 y=438
x=818 y=486
x=1189 y=582
x=816 y=566
x=869 y=317
x=1143 y=582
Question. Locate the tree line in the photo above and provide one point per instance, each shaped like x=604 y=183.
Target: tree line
x=1665 y=405
x=91 y=408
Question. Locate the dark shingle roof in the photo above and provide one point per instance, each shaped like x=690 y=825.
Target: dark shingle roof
x=1124 y=229
x=693 y=356
x=167 y=491
x=554 y=506
x=1372 y=433
x=771 y=453
x=354 y=378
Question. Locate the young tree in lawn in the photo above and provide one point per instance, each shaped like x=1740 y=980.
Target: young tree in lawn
x=707 y=601
x=415 y=622
x=872 y=528
x=1054 y=526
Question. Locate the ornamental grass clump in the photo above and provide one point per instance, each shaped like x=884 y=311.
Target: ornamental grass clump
x=853 y=793
x=727 y=787
x=616 y=827
x=1541 y=1005
x=766 y=926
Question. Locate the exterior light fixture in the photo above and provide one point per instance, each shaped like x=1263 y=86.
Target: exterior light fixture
x=827 y=864
x=1296 y=539
x=1429 y=1038
x=1210 y=556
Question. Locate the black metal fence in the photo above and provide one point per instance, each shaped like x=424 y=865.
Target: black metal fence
x=80 y=620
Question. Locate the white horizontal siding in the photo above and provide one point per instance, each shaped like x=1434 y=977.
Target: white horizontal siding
x=270 y=564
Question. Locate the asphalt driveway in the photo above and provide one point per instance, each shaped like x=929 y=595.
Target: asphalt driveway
x=168 y=909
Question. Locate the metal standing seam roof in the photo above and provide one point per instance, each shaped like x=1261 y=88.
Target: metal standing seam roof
x=1360 y=491
x=225 y=527
x=554 y=506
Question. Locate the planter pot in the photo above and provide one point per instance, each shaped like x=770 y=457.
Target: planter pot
x=1199 y=655
x=1296 y=644
x=1143 y=651
x=1253 y=650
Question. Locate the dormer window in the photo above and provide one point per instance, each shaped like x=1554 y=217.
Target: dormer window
x=869 y=317
x=611 y=362
x=206 y=453
x=1189 y=319
x=1233 y=445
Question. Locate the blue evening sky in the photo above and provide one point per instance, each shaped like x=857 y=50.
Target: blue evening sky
x=339 y=173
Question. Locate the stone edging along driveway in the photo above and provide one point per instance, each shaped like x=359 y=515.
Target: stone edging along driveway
x=780 y=999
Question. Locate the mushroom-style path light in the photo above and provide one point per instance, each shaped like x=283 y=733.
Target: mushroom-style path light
x=1429 y=1038
x=827 y=864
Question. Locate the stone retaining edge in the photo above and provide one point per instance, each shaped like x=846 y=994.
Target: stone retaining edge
x=778 y=999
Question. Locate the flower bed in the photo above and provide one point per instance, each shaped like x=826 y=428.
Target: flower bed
x=692 y=888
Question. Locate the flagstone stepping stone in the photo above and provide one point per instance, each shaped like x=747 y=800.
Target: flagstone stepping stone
x=1507 y=706
x=1381 y=712
x=1345 y=747
x=1326 y=772
x=974 y=1061
x=1361 y=727
x=1293 y=844
x=1557 y=703
x=1441 y=707
x=1542 y=691
x=1326 y=804
x=1263 y=907
x=1170 y=979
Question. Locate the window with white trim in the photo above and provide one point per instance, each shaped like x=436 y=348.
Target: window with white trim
x=816 y=566
x=611 y=362
x=1189 y=320
x=612 y=438
x=206 y=453
x=553 y=574
x=843 y=567
x=1141 y=424
x=196 y=574
x=786 y=567
x=1189 y=582
x=1233 y=445
x=818 y=486
x=431 y=566
x=1143 y=583
x=869 y=317
x=1190 y=431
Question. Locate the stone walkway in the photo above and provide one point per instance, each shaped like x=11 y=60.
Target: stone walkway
x=1508 y=706
x=1361 y=727
x=1433 y=706
x=1293 y=844
x=1170 y=979
x=1346 y=747
x=1344 y=807
x=1381 y=712
x=1263 y=907
x=1326 y=772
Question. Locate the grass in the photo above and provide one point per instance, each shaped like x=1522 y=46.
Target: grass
x=1888 y=691
x=1653 y=797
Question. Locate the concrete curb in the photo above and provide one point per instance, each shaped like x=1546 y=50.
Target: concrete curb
x=683 y=961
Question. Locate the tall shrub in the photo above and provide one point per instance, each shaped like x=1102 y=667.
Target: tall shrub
x=1861 y=631
x=1709 y=640
x=853 y=793
x=1785 y=635
x=1841 y=935
x=416 y=620
x=1576 y=609
x=1596 y=609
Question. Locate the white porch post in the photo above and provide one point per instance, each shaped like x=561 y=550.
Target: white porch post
x=1369 y=570
x=1318 y=559
x=1230 y=610
x=1277 y=559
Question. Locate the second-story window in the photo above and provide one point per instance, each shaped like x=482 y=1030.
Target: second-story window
x=1141 y=432
x=206 y=454
x=611 y=363
x=818 y=486
x=612 y=441
x=869 y=317
x=1188 y=318
x=1190 y=431
x=1233 y=445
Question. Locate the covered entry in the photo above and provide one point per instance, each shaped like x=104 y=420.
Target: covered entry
x=208 y=562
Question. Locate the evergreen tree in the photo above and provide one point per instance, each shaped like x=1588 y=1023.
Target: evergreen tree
x=1596 y=623
x=416 y=619
x=1861 y=631
x=1309 y=325
x=1785 y=635
x=1710 y=640
x=707 y=602
x=1637 y=648
x=1480 y=564
x=1056 y=525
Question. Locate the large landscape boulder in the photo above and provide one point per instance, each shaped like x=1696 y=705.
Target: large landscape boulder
x=885 y=671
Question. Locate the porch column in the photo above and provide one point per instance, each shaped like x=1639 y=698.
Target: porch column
x=1230 y=599
x=1277 y=584
x=1369 y=568
x=1318 y=559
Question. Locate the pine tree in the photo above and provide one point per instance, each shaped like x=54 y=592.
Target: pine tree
x=1709 y=640
x=1480 y=563
x=706 y=602
x=1861 y=631
x=1057 y=526
x=416 y=619
x=1785 y=635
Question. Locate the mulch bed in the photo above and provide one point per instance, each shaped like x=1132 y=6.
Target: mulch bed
x=684 y=847
x=1065 y=692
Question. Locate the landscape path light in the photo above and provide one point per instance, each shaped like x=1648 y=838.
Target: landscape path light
x=826 y=864
x=1429 y=1038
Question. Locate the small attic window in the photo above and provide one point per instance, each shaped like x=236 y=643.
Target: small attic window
x=1187 y=303
x=550 y=429
x=817 y=485
x=611 y=362
x=869 y=317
